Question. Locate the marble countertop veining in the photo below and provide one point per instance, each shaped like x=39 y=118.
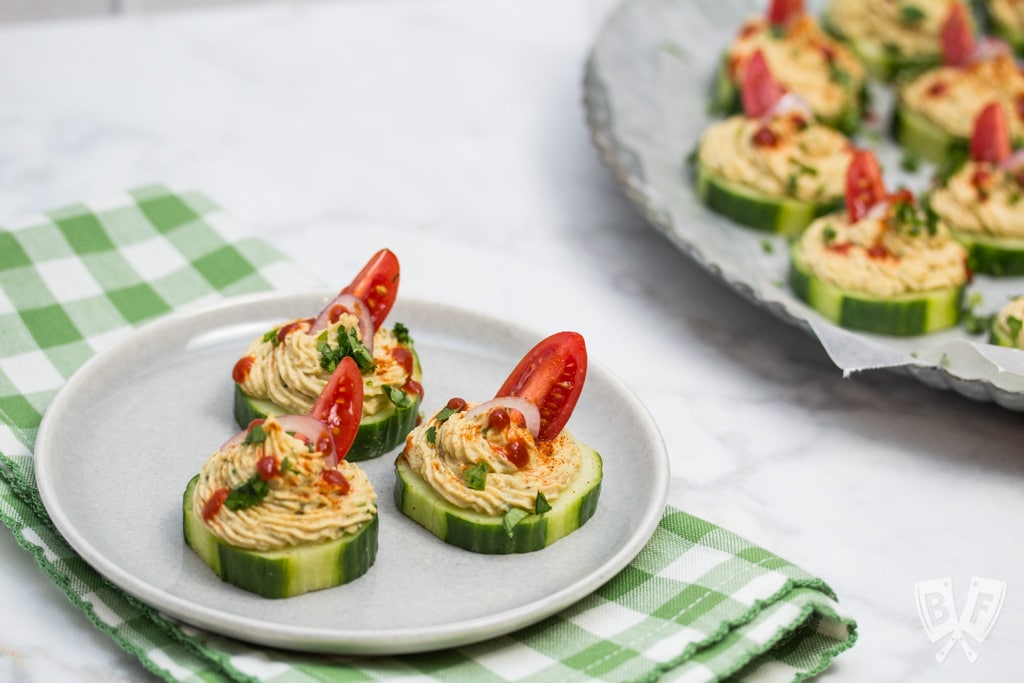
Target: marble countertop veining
x=452 y=132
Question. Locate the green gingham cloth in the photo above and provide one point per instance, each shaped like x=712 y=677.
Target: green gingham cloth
x=697 y=604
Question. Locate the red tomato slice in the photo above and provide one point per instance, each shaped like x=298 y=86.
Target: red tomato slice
x=864 y=186
x=377 y=285
x=759 y=91
x=956 y=37
x=550 y=376
x=990 y=140
x=782 y=12
x=340 y=405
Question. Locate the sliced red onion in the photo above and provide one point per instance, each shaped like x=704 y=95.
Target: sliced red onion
x=1013 y=162
x=528 y=410
x=789 y=103
x=304 y=427
x=348 y=303
x=990 y=48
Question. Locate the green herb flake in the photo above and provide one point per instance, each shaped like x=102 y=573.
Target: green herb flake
x=476 y=476
x=401 y=333
x=286 y=465
x=767 y=246
x=397 y=396
x=911 y=15
x=272 y=337
x=247 y=494
x=431 y=435
x=444 y=414
x=839 y=75
x=828 y=233
x=512 y=518
x=351 y=345
x=541 y=505
x=910 y=162
x=1014 y=324
x=256 y=435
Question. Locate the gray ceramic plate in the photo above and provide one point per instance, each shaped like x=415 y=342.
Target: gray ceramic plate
x=121 y=440
x=646 y=90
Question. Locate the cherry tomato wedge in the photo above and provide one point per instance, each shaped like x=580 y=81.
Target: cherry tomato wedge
x=782 y=12
x=990 y=140
x=377 y=285
x=956 y=37
x=864 y=186
x=340 y=405
x=550 y=376
x=760 y=91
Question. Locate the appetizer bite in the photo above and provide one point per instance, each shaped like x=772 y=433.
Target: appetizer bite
x=1006 y=20
x=285 y=369
x=935 y=111
x=1008 y=325
x=891 y=37
x=884 y=265
x=981 y=201
x=277 y=510
x=504 y=476
x=772 y=168
x=805 y=60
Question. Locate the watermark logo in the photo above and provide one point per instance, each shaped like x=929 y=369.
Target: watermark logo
x=937 y=609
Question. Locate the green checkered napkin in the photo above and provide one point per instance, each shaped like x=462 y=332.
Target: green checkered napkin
x=697 y=604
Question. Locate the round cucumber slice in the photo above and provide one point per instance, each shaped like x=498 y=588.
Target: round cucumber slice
x=913 y=131
x=487 y=534
x=377 y=434
x=901 y=315
x=281 y=573
x=998 y=256
x=756 y=209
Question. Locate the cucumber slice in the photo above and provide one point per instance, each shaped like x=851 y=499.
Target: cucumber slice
x=756 y=209
x=281 y=573
x=918 y=135
x=377 y=434
x=726 y=100
x=992 y=255
x=901 y=315
x=482 y=533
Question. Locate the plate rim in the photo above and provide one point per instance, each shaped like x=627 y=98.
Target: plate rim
x=400 y=640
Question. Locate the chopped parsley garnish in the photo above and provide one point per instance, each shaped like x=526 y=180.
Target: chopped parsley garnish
x=910 y=162
x=247 y=494
x=542 y=505
x=1014 y=324
x=777 y=31
x=349 y=344
x=838 y=74
x=272 y=337
x=829 y=234
x=286 y=464
x=512 y=518
x=431 y=435
x=801 y=169
x=476 y=476
x=906 y=216
x=911 y=14
x=444 y=414
x=401 y=333
x=397 y=396
x=767 y=246
x=255 y=435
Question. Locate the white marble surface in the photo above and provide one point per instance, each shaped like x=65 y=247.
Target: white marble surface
x=452 y=132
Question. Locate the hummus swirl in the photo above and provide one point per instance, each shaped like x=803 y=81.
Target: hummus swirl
x=876 y=257
x=904 y=27
x=952 y=97
x=300 y=508
x=806 y=161
x=981 y=199
x=1007 y=14
x=804 y=60
x=288 y=371
x=441 y=452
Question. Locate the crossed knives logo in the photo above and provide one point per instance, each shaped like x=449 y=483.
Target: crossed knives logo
x=937 y=609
